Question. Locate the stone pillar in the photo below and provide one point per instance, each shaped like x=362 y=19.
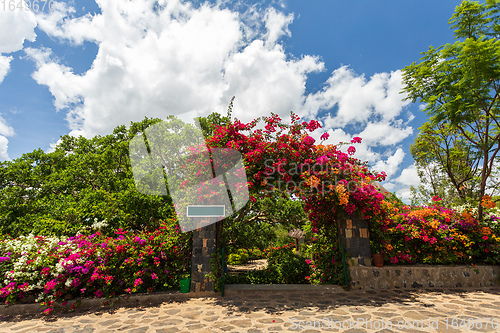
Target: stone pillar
x=354 y=236
x=203 y=246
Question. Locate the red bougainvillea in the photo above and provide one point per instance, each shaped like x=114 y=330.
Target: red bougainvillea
x=286 y=158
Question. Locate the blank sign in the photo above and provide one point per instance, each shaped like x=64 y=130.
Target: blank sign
x=206 y=211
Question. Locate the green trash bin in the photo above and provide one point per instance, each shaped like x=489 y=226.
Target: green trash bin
x=185 y=285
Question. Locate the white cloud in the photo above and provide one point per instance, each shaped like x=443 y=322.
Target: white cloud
x=5 y=130
x=385 y=134
x=4 y=66
x=391 y=164
x=187 y=60
x=404 y=194
x=357 y=99
x=276 y=25
x=16 y=26
x=182 y=59
x=3 y=148
x=409 y=176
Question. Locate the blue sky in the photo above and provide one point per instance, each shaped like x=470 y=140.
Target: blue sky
x=85 y=67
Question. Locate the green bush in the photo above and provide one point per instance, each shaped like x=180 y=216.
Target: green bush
x=289 y=266
x=267 y=276
x=241 y=257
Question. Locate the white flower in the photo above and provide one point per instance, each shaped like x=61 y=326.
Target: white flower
x=98 y=225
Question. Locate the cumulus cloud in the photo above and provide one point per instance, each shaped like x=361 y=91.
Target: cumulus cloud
x=358 y=100
x=391 y=164
x=178 y=59
x=16 y=26
x=171 y=57
x=5 y=130
x=4 y=142
x=4 y=66
x=409 y=176
x=385 y=134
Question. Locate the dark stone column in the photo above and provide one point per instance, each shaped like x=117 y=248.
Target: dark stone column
x=354 y=236
x=203 y=246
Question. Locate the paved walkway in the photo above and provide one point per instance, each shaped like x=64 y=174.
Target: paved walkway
x=475 y=310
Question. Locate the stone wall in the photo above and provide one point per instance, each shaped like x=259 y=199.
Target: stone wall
x=204 y=244
x=354 y=234
x=423 y=276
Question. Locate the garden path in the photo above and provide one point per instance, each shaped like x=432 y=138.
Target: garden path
x=252 y=265
x=251 y=312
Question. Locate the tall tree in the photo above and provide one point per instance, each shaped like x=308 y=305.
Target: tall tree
x=446 y=163
x=459 y=83
x=83 y=179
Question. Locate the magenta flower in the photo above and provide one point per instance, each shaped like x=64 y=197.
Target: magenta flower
x=2 y=259
x=436 y=198
x=309 y=141
x=351 y=150
x=322 y=160
x=98 y=293
x=325 y=136
x=138 y=282
x=50 y=285
x=154 y=276
x=356 y=139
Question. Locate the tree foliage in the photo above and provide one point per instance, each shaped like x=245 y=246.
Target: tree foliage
x=459 y=84
x=447 y=165
x=82 y=180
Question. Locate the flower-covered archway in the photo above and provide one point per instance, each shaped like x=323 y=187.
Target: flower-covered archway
x=338 y=190
x=285 y=158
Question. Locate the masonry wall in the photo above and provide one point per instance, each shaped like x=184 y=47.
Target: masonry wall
x=204 y=244
x=423 y=276
x=354 y=236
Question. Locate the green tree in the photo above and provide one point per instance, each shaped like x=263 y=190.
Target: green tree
x=262 y=222
x=447 y=165
x=82 y=180
x=459 y=83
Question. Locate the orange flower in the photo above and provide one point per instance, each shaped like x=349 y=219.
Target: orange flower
x=342 y=193
x=487 y=203
x=486 y=231
x=314 y=181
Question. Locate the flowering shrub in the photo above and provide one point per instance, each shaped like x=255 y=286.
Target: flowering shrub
x=53 y=269
x=289 y=266
x=284 y=266
x=284 y=158
x=326 y=264
x=433 y=235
